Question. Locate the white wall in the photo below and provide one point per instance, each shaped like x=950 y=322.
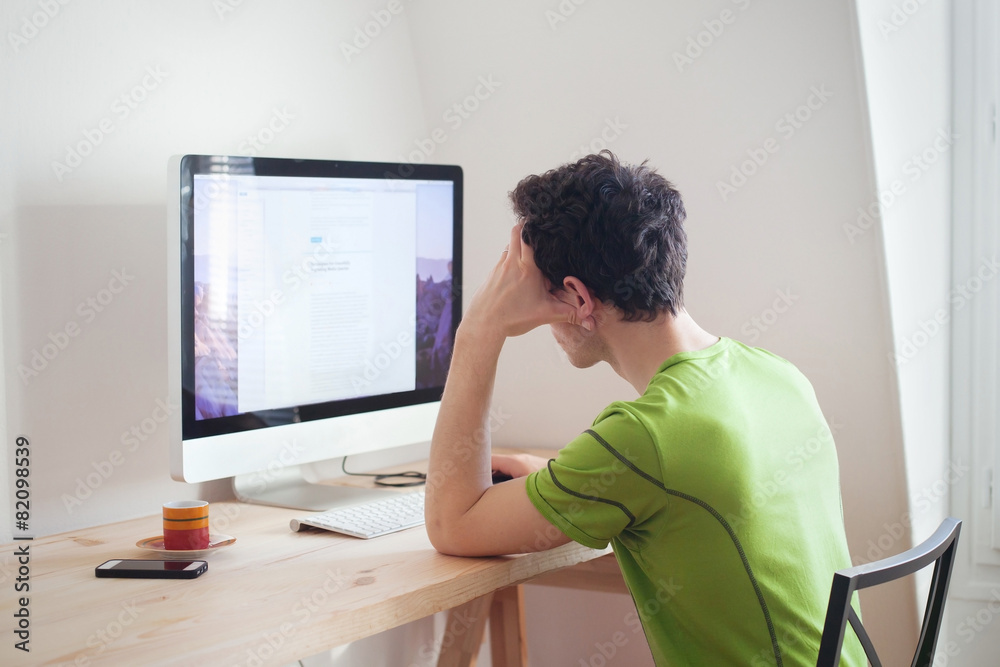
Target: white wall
x=907 y=59
x=608 y=69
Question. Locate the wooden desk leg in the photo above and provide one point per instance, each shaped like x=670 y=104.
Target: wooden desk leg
x=507 y=633
x=463 y=634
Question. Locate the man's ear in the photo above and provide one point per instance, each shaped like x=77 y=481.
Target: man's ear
x=582 y=299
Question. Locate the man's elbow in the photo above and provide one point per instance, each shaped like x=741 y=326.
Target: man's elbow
x=437 y=535
x=448 y=542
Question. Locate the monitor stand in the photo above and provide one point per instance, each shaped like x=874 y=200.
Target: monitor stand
x=288 y=487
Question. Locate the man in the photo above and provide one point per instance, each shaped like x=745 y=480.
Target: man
x=718 y=487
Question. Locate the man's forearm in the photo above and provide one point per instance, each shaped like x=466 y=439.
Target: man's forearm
x=459 y=468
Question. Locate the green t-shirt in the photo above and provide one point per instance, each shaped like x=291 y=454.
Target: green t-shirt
x=719 y=491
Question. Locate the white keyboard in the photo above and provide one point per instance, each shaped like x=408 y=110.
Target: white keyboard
x=371 y=519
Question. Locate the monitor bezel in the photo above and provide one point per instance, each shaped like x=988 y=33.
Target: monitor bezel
x=184 y=169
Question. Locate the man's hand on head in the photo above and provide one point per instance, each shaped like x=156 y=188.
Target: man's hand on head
x=466 y=514
x=516 y=297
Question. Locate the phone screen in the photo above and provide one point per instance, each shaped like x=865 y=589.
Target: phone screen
x=152 y=565
x=152 y=569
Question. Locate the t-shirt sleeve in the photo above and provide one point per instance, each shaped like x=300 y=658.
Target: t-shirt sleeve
x=606 y=481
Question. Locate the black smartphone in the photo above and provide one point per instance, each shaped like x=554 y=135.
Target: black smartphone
x=152 y=569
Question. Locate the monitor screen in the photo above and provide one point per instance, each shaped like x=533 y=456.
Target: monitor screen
x=309 y=291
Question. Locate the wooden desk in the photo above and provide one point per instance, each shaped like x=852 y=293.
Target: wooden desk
x=272 y=597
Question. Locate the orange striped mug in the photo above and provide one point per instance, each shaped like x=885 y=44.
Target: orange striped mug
x=185 y=525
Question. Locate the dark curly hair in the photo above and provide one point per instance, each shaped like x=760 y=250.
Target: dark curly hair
x=618 y=228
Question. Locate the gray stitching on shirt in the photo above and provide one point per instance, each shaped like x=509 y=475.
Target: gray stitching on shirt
x=725 y=524
x=631 y=517
x=621 y=457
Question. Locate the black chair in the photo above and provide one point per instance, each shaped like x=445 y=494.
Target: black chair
x=939 y=548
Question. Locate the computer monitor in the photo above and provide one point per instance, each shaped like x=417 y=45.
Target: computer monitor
x=312 y=313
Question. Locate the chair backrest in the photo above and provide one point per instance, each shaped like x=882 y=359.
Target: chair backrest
x=939 y=549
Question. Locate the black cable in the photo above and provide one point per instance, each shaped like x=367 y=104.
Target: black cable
x=417 y=477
